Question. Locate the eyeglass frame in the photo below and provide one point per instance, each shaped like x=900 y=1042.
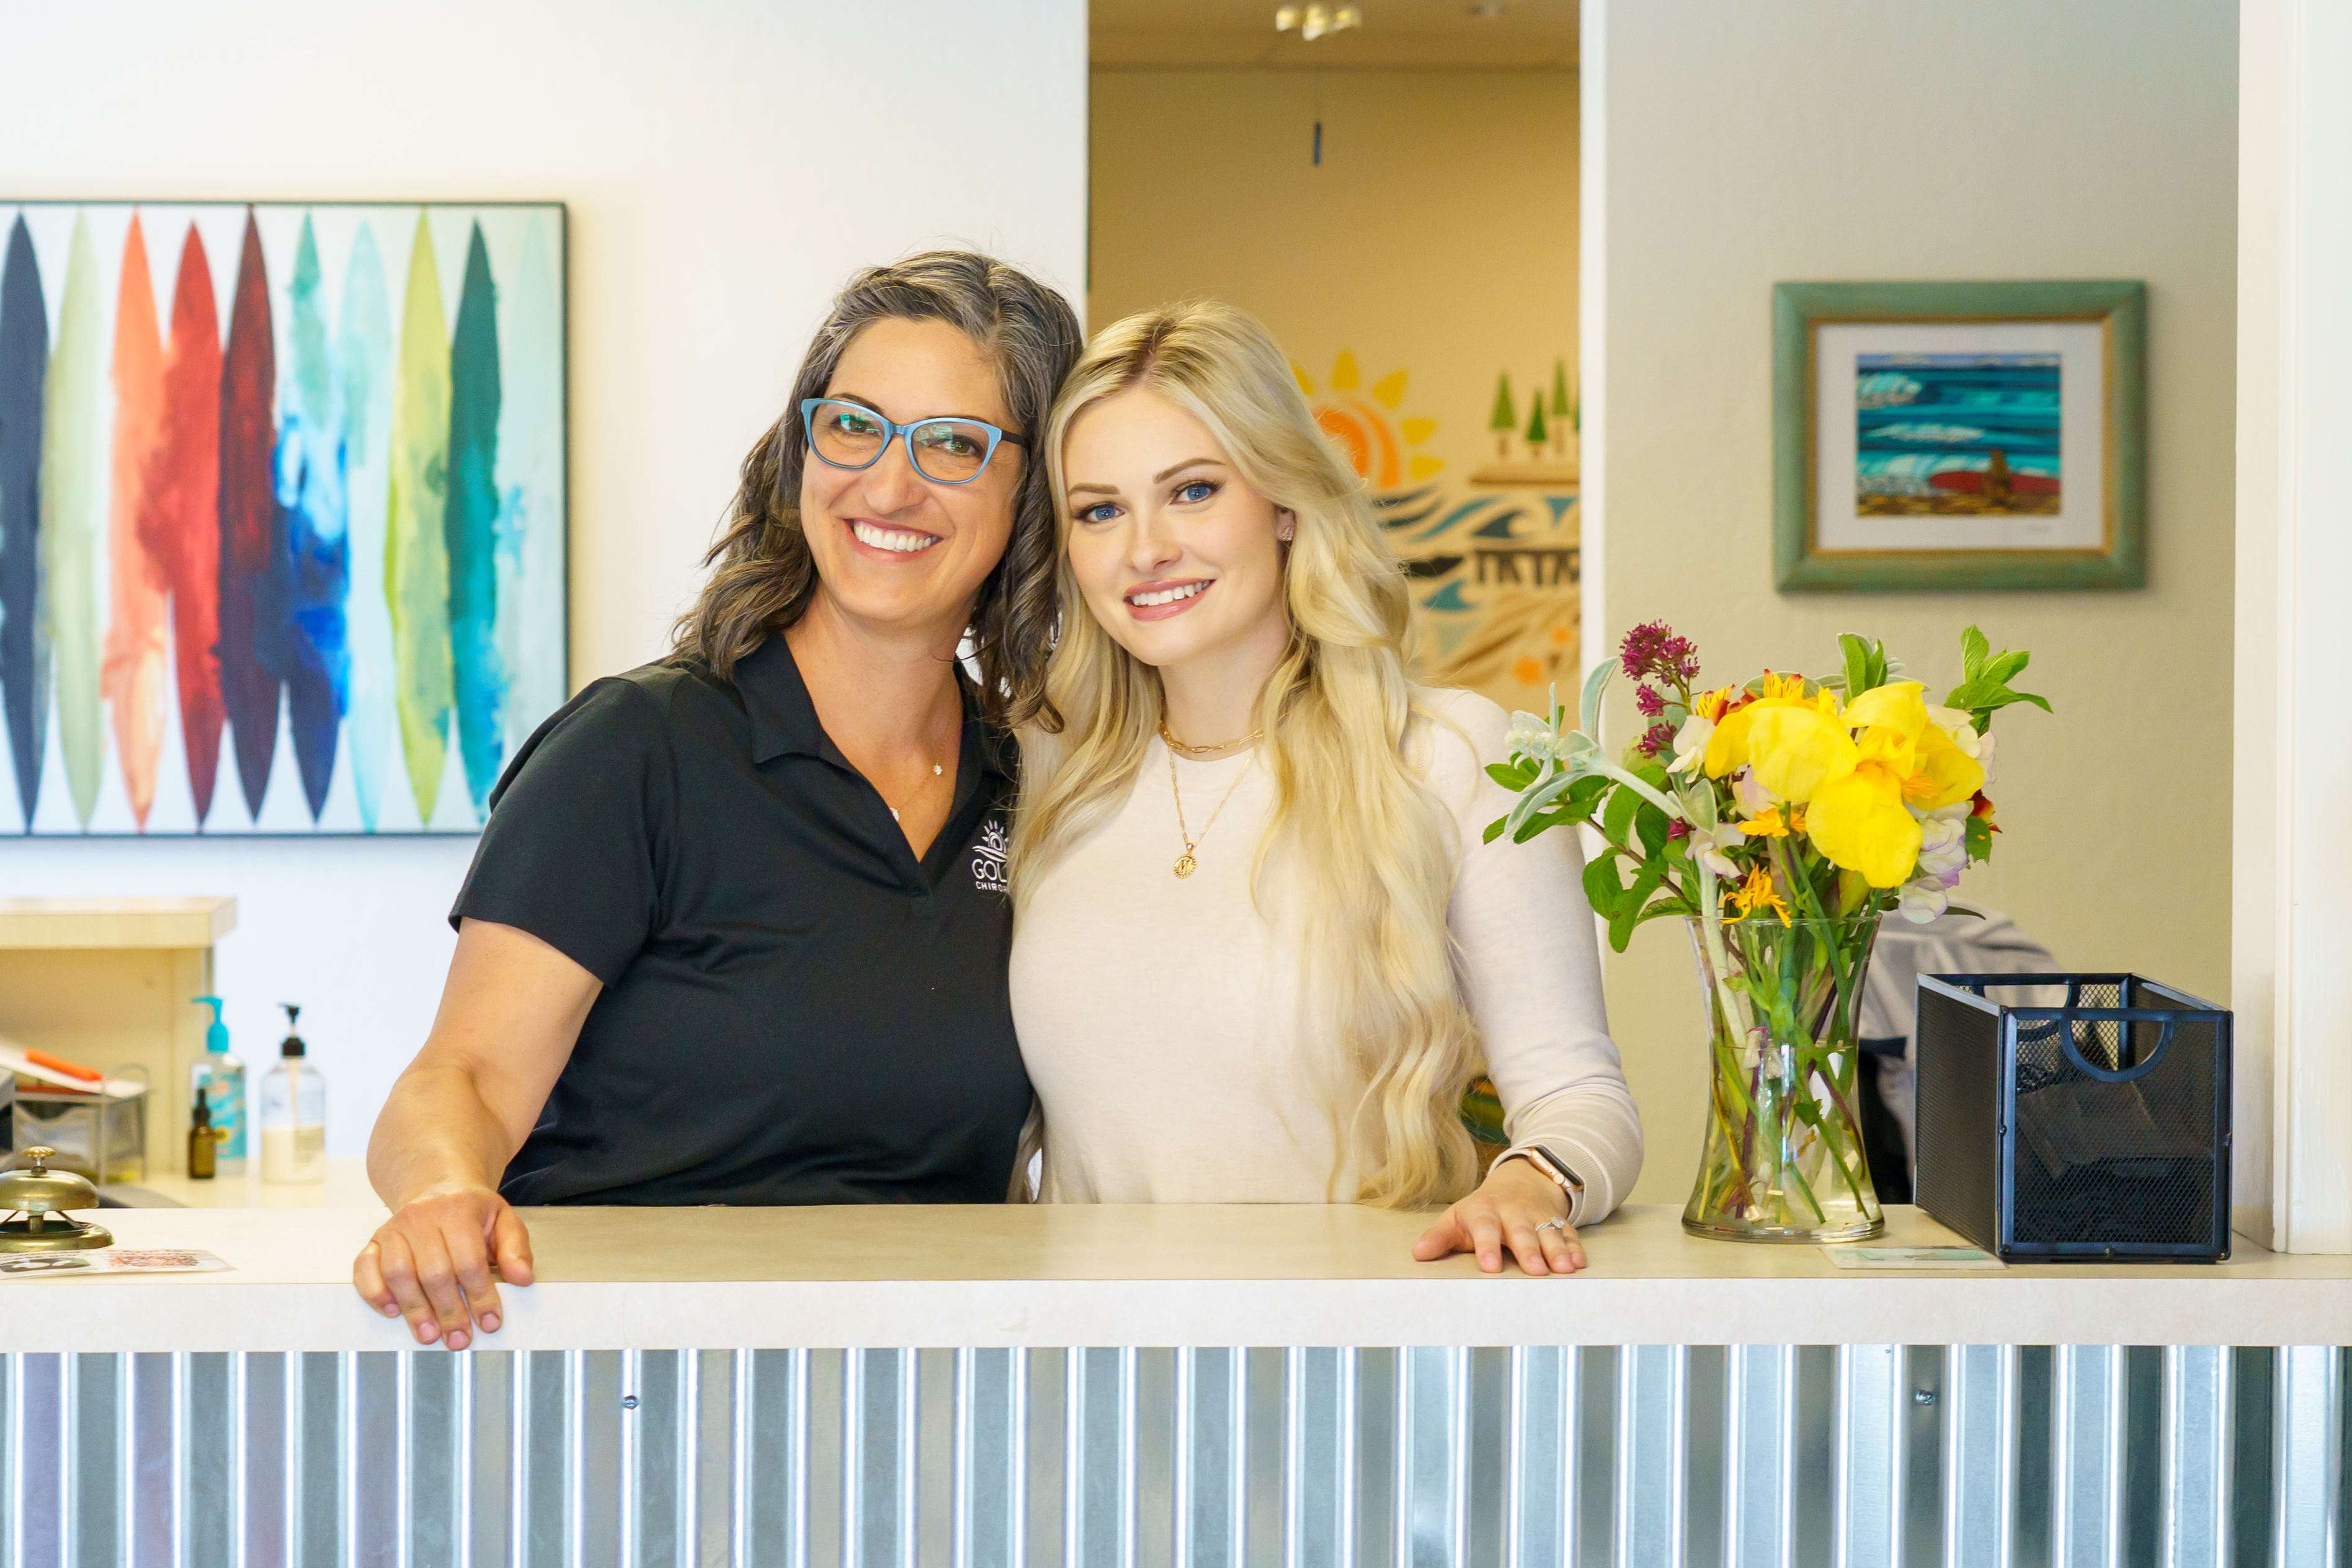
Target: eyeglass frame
x=893 y=431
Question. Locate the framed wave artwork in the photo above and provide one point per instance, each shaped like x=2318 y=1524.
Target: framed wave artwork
x=1959 y=436
x=282 y=512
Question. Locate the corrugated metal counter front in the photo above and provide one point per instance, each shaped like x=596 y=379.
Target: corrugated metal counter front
x=987 y=1385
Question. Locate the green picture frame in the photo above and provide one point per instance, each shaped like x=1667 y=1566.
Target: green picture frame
x=2106 y=324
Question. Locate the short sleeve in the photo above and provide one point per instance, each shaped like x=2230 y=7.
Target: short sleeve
x=577 y=828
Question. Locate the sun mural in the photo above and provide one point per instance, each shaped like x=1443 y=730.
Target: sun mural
x=1495 y=569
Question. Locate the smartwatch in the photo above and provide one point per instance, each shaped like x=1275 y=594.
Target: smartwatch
x=1551 y=1165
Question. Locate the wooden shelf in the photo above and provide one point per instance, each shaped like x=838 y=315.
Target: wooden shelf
x=114 y=923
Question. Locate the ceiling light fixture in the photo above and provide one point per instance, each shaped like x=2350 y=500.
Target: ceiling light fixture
x=1313 y=22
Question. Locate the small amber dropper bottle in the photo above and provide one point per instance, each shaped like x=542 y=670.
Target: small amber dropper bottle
x=202 y=1146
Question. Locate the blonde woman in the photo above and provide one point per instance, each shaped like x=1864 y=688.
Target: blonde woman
x=1259 y=944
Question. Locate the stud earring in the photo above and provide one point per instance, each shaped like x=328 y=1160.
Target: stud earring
x=1285 y=530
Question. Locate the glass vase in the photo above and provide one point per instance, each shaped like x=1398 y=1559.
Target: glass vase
x=1783 y=1159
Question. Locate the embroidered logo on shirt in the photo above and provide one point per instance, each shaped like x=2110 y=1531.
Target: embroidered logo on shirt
x=988 y=858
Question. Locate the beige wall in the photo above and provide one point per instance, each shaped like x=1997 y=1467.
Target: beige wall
x=1912 y=139
x=1438 y=238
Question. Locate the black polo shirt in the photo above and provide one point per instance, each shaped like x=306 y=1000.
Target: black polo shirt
x=795 y=1009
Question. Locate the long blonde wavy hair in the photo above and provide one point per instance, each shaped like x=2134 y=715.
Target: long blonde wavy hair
x=1374 y=849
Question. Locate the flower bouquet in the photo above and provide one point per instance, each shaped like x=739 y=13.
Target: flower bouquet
x=1779 y=820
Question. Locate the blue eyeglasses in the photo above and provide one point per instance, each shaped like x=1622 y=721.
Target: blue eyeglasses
x=946 y=450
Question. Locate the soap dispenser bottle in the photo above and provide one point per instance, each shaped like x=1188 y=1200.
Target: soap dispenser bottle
x=219 y=1077
x=293 y=1112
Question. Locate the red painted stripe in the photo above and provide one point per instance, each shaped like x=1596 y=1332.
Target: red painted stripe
x=183 y=520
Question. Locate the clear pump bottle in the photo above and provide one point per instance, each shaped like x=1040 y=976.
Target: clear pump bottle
x=293 y=1113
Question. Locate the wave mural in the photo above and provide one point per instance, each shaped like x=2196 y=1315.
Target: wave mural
x=282 y=513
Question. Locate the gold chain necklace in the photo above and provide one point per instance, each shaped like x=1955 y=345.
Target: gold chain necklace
x=1185 y=864
x=1174 y=744
x=936 y=771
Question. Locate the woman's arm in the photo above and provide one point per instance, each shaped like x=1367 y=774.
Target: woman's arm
x=510 y=1013
x=1531 y=975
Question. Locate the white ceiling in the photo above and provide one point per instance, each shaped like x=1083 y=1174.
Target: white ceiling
x=1396 y=33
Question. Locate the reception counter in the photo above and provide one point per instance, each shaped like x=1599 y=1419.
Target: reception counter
x=1169 y=1384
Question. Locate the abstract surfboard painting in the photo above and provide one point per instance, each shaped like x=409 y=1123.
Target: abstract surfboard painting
x=283 y=512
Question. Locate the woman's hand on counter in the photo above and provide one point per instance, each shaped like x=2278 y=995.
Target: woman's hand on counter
x=431 y=1263
x=1503 y=1212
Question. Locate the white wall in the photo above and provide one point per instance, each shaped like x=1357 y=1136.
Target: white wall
x=2292 y=926
x=703 y=247
x=1737 y=145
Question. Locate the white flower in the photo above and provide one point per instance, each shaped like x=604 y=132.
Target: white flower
x=1924 y=899
x=1690 y=744
x=1532 y=737
x=1708 y=846
x=1984 y=757
x=1943 y=843
x=1754 y=799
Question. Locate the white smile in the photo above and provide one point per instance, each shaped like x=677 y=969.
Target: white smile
x=891 y=538
x=1165 y=596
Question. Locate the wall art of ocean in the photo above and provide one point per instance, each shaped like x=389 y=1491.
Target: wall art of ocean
x=1958 y=433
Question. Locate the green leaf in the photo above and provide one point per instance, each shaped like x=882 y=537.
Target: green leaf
x=1627 y=914
x=1857 y=664
x=1495 y=829
x=1589 y=709
x=1513 y=776
x=1602 y=889
x=1584 y=794
x=1617 y=818
x=1652 y=773
x=1973 y=650
x=1650 y=825
x=2007 y=666
x=1975 y=835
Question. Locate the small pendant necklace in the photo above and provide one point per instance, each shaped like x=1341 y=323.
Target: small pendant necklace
x=936 y=771
x=1185 y=864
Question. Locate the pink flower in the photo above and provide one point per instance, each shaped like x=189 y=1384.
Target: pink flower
x=1653 y=652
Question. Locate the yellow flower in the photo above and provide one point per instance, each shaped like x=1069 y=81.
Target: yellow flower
x=1802 y=730
x=1757 y=893
x=1860 y=823
x=1709 y=705
x=1775 y=824
x=1859 y=817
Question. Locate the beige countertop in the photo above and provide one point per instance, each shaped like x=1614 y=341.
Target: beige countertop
x=987 y=1276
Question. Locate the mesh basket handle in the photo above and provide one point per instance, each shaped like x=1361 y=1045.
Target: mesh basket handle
x=2040 y=1030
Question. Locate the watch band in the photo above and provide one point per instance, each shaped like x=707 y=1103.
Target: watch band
x=1551 y=1165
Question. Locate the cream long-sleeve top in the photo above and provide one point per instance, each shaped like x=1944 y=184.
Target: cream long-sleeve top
x=1157 y=1014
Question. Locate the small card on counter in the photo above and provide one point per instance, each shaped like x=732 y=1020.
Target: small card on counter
x=1912 y=1257
x=109 y=1260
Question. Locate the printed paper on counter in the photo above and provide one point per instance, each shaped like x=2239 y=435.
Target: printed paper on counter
x=1912 y=1257
x=109 y=1260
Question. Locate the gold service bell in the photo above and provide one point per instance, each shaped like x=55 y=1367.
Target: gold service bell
x=39 y=1198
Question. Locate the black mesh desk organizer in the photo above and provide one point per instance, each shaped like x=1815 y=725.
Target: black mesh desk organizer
x=2069 y=1117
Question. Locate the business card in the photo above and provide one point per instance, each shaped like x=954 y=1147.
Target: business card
x=1911 y=1258
x=109 y=1260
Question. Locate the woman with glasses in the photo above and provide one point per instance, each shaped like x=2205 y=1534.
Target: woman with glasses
x=1263 y=942
x=737 y=929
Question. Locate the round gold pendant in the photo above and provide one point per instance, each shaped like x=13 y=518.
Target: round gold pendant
x=1186 y=864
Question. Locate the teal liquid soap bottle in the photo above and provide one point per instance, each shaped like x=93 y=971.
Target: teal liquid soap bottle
x=221 y=1078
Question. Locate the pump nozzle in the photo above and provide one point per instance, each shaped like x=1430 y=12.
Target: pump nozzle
x=217 y=1035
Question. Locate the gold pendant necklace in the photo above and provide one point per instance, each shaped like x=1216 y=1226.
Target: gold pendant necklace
x=936 y=771
x=1185 y=864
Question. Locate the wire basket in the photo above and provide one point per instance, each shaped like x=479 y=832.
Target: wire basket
x=2068 y=1117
